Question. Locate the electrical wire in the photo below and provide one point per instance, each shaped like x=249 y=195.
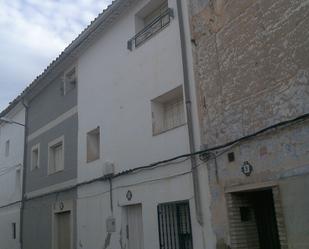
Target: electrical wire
x=184 y=156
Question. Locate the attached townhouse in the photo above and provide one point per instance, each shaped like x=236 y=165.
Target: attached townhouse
x=49 y=207
x=110 y=127
x=136 y=100
x=252 y=75
x=12 y=121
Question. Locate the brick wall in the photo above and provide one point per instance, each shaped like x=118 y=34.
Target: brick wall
x=251 y=64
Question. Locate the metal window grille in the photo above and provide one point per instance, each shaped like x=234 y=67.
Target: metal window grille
x=175 y=226
x=152 y=28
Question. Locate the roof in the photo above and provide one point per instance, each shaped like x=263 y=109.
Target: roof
x=106 y=17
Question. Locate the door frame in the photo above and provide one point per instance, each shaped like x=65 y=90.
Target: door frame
x=274 y=186
x=61 y=207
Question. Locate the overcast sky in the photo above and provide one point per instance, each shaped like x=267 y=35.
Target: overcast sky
x=33 y=33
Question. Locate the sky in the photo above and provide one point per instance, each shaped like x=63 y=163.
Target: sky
x=33 y=33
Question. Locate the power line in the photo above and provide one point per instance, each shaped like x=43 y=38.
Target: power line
x=186 y=156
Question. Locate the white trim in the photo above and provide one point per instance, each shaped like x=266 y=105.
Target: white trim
x=53 y=123
x=50 y=147
x=55 y=187
x=34 y=147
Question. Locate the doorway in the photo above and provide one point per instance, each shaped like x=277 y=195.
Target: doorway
x=253 y=220
x=135 y=233
x=63 y=230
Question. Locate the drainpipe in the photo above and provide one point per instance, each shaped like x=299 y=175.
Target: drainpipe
x=23 y=176
x=195 y=178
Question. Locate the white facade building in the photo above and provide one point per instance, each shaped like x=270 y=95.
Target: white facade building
x=131 y=111
x=11 y=167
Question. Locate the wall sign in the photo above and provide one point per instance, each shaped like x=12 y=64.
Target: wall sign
x=246 y=168
x=129 y=195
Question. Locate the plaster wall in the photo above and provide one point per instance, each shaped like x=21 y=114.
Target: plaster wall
x=117 y=85
x=11 y=168
x=147 y=189
x=38 y=223
x=11 y=165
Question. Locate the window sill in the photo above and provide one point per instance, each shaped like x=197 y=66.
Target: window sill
x=164 y=131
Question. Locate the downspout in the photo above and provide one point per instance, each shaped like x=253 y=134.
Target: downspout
x=195 y=178
x=23 y=176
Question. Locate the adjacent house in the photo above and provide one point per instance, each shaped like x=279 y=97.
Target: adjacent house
x=49 y=212
x=12 y=121
x=135 y=87
x=252 y=75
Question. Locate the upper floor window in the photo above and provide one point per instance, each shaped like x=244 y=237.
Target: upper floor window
x=70 y=80
x=168 y=111
x=35 y=156
x=93 y=145
x=150 y=20
x=56 y=155
x=7 y=148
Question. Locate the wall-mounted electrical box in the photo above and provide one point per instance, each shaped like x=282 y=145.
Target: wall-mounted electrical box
x=111 y=225
x=109 y=169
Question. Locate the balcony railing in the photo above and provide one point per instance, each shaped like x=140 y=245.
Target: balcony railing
x=151 y=29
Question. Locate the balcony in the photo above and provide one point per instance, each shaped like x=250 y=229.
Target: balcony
x=158 y=24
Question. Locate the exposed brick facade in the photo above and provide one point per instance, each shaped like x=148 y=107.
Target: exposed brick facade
x=252 y=71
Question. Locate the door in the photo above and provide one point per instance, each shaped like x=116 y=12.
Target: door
x=135 y=232
x=265 y=217
x=63 y=230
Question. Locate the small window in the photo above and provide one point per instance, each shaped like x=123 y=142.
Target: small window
x=175 y=226
x=56 y=156
x=35 y=157
x=70 y=80
x=93 y=145
x=14 y=230
x=7 y=148
x=245 y=214
x=168 y=111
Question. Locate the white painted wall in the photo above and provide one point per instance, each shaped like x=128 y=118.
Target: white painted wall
x=115 y=89
x=114 y=92
x=11 y=177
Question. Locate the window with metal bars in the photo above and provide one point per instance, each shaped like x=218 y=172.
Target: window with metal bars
x=175 y=226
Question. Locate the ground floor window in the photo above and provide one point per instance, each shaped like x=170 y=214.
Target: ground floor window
x=175 y=226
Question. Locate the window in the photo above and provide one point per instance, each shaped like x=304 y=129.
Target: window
x=14 y=230
x=70 y=80
x=56 y=156
x=168 y=111
x=175 y=226
x=150 y=20
x=93 y=145
x=35 y=155
x=7 y=148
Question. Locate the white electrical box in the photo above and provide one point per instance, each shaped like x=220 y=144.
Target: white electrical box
x=109 y=168
x=111 y=225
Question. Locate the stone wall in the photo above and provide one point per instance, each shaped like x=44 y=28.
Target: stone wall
x=252 y=71
x=251 y=64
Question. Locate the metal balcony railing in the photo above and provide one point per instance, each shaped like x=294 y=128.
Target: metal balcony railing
x=151 y=29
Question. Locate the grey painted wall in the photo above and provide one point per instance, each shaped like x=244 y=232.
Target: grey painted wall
x=38 y=215
x=39 y=178
x=49 y=104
